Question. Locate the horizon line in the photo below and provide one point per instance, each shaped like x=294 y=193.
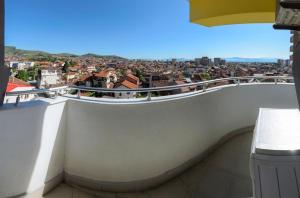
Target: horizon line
x=169 y=58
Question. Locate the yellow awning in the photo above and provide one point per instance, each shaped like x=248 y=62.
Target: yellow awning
x=225 y=12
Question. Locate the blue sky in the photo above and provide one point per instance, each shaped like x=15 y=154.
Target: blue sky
x=134 y=29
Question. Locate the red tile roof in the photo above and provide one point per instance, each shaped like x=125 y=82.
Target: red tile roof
x=133 y=77
x=129 y=84
x=11 y=86
x=14 y=83
x=102 y=74
x=17 y=81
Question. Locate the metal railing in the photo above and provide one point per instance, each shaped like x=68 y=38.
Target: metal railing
x=197 y=86
x=49 y=93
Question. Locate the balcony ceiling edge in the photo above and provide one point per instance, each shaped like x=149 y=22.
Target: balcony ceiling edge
x=226 y=12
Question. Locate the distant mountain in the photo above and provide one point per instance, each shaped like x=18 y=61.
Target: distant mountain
x=103 y=56
x=13 y=51
x=66 y=55
x=40 y=55
x=251 y=60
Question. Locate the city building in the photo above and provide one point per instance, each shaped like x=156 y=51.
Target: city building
x=15 y=85
x=174 y=61
x=223 y=62
x=197 y=61
x=205 y=61
x=129 y=82
x=283 y=62
x=105 y=79
x=217 y=61
x=102 y=79
x=48 y=78
x=21 y=65
x=71 y=76
x=91 y=68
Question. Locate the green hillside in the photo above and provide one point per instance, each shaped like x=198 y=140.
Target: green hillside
x=45 y=56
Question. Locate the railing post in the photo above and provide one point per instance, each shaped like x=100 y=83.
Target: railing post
x=149 y=96
x=78 y=94
x=276 y=81
x=239 y=82
x=204 y=88
x=17 y=100
x=4 y=71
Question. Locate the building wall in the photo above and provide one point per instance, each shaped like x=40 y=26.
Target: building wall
x=21 y=65
x=24 y=98
x=48 y=78
x=125 y=95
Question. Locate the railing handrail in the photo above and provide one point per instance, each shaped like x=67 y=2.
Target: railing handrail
x=32 y=91
x=37 y=91
x=174 y=87
x=148 y=90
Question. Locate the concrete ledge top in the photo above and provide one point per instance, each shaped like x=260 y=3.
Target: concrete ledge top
x=277 y=132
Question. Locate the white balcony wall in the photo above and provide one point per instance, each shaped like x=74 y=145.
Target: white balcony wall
x=31 y=146
x=109 y=146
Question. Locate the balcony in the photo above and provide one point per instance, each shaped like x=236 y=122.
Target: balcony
x=182 y=145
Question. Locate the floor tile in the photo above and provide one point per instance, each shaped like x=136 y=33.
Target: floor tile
x=62 y=191
x=173 y=189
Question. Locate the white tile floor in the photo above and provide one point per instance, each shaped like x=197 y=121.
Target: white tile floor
x=224 y=174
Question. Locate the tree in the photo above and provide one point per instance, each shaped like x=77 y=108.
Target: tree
x=139 y=74
x=205 y=76
x=33 y=72
x=66 y=67
x=72 y=64
x=23 y=75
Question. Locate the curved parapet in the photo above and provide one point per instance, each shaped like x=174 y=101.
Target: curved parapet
x=123 y=146
x=135 y=146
